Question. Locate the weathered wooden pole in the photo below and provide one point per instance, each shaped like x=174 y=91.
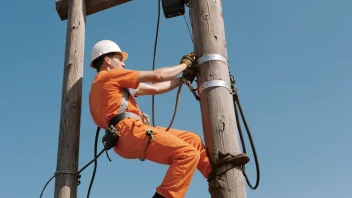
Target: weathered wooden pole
x=217 y=107
x=75 y=12
x=68 y=148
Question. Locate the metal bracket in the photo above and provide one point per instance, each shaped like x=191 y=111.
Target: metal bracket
x=214 y=83
x=212 y=57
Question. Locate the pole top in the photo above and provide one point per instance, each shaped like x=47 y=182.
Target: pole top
x=92 y=6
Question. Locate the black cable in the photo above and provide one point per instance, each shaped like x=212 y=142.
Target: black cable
x=155 y=46
x=95 y=161
x=239 y=128
x=96 y=156
x=189 y=31
x=237 y=103
x=56 y=174
x=107 y=155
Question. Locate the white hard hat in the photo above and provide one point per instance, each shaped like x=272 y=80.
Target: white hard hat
x=103 y=47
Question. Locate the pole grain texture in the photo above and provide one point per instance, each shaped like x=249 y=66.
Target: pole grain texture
x=217 y=107
x=68 y=145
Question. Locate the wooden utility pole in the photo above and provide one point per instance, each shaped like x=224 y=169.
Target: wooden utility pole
x=68 y=148
x=217 y=107
x=75 y=12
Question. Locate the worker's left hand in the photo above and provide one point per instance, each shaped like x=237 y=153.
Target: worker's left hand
x=190 y=73
x=188 y=59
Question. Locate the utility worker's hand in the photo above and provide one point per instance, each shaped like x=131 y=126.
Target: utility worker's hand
x=190 y=73
x=188 y=59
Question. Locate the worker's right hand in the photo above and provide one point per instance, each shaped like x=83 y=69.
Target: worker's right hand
x=190 y=73
x=188 y=59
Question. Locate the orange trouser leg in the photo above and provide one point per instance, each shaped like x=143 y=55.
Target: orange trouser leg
x=167 y=147
x=182 y=157
x=195 y=140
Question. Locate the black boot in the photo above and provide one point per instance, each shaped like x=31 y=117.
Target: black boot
x=157 y=195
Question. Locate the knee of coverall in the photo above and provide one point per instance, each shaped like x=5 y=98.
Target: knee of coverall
x=197 y=139
x=191 y=153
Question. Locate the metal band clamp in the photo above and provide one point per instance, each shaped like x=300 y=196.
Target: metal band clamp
x=212 y=57
x=214 y=83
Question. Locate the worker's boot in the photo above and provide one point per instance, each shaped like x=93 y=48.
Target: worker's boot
x=239 y=159
x=157 y=195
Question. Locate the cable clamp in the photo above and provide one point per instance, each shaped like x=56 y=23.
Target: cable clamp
x=214 y=83
x=65 y=172
x=212 y=57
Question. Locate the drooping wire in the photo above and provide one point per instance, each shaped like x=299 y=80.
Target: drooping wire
x=95 y=161
x=56 y=174
x=238 y=107
x=237 y=103
x=155 y=47
x=189 y=30
x=96 y=156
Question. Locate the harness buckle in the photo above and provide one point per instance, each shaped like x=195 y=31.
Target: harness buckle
x=110 y=138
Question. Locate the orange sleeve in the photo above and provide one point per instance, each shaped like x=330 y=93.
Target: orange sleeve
x=124 y=77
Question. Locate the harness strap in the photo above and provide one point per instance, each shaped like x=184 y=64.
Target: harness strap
x=116 y=119
x=124 y=101
x=121 y=113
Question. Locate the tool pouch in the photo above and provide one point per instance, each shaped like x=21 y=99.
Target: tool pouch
x=110 y=138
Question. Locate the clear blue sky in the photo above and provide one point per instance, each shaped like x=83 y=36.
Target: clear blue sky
x=292 y=61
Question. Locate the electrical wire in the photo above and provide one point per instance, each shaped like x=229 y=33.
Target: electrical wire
x=95 y=161
x=96 y=156
x=236 y=101
x=189 y=30
x=154 y=57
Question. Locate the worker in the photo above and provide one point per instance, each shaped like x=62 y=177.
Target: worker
x=113 y=106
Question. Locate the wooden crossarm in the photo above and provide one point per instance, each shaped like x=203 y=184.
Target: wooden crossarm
x=92 y=6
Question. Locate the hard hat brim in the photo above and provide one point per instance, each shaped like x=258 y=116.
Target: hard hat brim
x=123 y=54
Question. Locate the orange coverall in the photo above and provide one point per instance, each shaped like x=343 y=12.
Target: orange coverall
x=182 y=150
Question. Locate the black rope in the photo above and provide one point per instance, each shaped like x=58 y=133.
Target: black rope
x=107 y=155
x=236 y=101
x=56 y=174
x=155 y=46
x=96 y=156
x=95 y=161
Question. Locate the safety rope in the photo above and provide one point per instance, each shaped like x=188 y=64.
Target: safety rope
x=56 y=174
x=176 y=105
x=96 y=156
x=95 y=161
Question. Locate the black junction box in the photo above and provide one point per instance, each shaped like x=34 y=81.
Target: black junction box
x=173 y=8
